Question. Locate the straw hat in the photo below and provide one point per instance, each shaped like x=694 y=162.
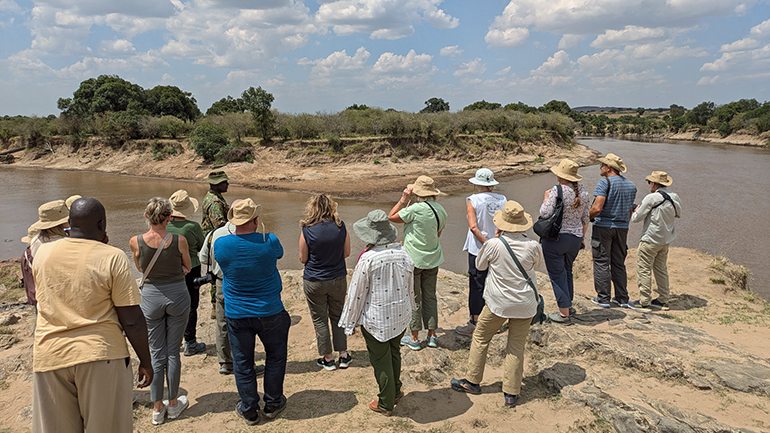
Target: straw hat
x=614 y=161
x=183 y=204
x=375 y=228
x=217 y=177
x=567 y=170
x=243 y=212
x=71 y=199
x=51 y=214
x=484 y=177
x=424 y=187
x=31 y=233
x=660 y=177
x=512 y=218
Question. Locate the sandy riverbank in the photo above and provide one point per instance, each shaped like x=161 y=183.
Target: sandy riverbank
x=702 y=366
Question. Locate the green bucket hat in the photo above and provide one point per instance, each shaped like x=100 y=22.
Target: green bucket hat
x=375 y=228
x=217 y=177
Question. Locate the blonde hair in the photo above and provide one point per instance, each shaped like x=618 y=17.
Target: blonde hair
x=320 y=207
x=45 y=235
x=420 y=199
x=158 y=210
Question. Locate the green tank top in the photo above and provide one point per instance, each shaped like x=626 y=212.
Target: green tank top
x=168 y=268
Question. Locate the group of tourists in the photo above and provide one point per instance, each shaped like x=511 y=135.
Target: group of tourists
x=89 y=303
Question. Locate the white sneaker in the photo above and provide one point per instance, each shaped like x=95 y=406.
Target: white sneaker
x=159 y=417
x=175 y=411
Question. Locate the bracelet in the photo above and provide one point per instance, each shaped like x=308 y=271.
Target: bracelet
x=401 y=203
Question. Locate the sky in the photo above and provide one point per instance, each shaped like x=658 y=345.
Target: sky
x=325 y=55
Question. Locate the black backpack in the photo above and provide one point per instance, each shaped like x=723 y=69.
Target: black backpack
x=549 y=228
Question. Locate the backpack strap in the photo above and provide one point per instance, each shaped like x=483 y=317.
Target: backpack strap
x=438 y=222
x=666 y=197
x=521 y=268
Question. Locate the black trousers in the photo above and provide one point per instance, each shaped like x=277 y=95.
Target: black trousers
x=195 y=296
x=609 y=249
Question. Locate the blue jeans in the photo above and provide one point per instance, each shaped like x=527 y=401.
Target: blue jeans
x=273 y=331
x=559 y=256
x=476 y=281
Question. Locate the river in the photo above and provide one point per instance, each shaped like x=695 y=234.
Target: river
x=722 y=188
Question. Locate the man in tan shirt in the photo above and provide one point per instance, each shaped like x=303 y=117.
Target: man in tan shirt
x=87 y=297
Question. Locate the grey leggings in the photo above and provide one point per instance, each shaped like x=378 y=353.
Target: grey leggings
x=166 y=309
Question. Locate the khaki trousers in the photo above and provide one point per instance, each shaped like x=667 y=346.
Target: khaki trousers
x=224 y=354
x=652 y=257
x=486 y=328
x=91 y=397
x=325 y=300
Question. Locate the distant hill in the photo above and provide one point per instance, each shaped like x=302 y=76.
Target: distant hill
x=590 y=108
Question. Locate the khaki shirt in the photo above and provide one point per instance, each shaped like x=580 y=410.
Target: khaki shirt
x=79 y=284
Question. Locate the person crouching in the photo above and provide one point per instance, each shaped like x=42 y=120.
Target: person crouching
x=252 y=290
x=381 y=299
x=508 y=297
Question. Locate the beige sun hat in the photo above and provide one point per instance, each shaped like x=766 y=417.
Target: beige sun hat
x=512 y=218
x=243 y=212
x=660 y=177
x=375 y=228
x=567 y=170
x=424 y=187
x=217 y=177
x=183 y=204
x=31 y=233
x=51 y=214
x=614 y=161
x=71 y=199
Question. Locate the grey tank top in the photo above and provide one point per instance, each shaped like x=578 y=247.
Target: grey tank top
x=168 y=268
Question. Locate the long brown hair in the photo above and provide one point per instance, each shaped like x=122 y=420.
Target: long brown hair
x=576 y=187
x=320 y=207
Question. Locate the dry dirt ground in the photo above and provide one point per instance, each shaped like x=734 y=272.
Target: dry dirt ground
x=702 y=366
x=292 y=167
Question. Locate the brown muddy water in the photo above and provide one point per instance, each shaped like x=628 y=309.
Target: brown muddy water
x=722 y=187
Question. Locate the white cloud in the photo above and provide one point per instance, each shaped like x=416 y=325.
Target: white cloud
x=748 y=57
x=503 y=71
x=556 y=65
x=740 y=45
x=412 y=63
x=338 y=61
x=167 y=78
x=761 y=31
x=116 y=47
x=451 y=51
x=10 y=6
x=94 y=8
x=706 y=81
x=570 y=41
x=382 y=19
x=506 y=38
x=629 y=35
x=474 y=67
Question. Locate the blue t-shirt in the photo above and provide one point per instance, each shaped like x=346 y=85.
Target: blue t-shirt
x=326 y=251
x=617 y=208
x=251 y=284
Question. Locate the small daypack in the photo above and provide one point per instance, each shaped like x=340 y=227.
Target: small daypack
x=549 y=228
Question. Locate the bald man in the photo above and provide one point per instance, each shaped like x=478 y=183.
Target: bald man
x=87 y=297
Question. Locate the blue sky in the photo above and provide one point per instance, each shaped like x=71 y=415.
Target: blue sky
x=325 y=55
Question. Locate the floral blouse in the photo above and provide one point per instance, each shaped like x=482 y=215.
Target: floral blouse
x=574 y=219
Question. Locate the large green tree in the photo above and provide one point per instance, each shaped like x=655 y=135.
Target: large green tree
x=435 y=105
x=258 y=102
x=226 y=105
x=482 y=105
x=172 y=101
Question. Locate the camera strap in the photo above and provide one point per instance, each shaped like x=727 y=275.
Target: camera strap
x=161 y=247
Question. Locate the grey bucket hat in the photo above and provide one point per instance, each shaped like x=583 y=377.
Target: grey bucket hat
x=375 y=228
x=484 y=177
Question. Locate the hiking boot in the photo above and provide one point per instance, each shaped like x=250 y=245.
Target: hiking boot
x=637 y=305
x=618 y=303
x=503 y=328
x=224 y=369
x=159 y=417
x=433 y=341
x=466 y=330
x=328 y=365
x=175 y=411
x=510 y=400
x=273 y=411
x=572 y=311
x=192 y=347
x=253 y=420
x=259 y=370
x=558 y=318
x=659 y=305
x=407 y=341
x=596 y=301
x=345 y=361
x=463 y=385
x=375 y=406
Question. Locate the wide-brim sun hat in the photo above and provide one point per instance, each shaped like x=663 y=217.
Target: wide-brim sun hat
x=484 y=177
x=424 y=187
x=183 y=204
x=31 y=233
x=71 y=199
x=614 y=161
x=217 y=177
x=660 y=177
x=51 y=214
x=375 y=228
x=243 y=212
x=512 y=218
x=567 y=170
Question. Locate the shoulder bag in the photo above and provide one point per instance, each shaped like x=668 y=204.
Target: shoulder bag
x=540 y=315
x=549 y=228
x=161 y=247
x=438 y=222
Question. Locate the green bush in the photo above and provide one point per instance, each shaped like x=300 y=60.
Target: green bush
x=171 y=126
x=208 y=139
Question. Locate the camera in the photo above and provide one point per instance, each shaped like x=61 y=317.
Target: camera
x=206 y=279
